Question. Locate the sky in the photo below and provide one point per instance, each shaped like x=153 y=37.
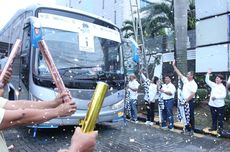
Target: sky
x=9 y=7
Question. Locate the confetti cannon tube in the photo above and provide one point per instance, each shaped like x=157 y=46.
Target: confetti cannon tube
x=95 y=107
x=53 y=70
x=10 y=60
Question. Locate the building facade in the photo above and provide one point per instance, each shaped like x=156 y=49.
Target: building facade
x=117 y=11
x=212 y=35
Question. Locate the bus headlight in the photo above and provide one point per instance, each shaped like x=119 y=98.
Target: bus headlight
x=118 y=105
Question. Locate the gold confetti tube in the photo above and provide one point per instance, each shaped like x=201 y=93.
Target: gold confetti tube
x=95 y=107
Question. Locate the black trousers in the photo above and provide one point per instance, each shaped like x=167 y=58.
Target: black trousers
x=191 y=125
x=150 y=110
x=217 y=117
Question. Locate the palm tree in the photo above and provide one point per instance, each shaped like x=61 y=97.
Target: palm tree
x=180 y=18
x=191 y=15
x=127 y=29
x=159 y=16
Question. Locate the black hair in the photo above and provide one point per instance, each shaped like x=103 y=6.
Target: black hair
x=155 y=79
x=191 y=72
x=170 y=77
x=220 y=76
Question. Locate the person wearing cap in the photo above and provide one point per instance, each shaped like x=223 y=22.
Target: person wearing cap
x=216 y=101
x=133 y=86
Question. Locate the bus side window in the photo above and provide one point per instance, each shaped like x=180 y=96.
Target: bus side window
x=25 y=56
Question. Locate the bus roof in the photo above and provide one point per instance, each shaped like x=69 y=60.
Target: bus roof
x=35 y=6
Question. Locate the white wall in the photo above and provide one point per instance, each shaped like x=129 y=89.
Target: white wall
x=212 y=30
x=205 y=8
x=121 y=7
x=215 y=57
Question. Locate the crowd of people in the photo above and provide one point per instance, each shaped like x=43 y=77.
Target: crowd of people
x=24 y=112
x=165 y=95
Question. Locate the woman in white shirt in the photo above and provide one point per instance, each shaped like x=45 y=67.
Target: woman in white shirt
x=150 y=88
x=216 y=101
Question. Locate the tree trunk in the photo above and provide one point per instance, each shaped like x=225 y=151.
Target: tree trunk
x=180 y=20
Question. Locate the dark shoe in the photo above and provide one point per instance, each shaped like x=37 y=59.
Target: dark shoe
x=220 y=131
x=188 y=133
x=212 y=129
x=184 y=132
x=191 y=133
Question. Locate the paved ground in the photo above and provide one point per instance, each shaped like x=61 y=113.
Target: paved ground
x=117 y=138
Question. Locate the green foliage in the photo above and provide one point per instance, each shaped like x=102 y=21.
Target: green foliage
x=127 y=29
x=227 y=106
x=160 y=16
x=201 y=95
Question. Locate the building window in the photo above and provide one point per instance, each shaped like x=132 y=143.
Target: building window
x=115 y=17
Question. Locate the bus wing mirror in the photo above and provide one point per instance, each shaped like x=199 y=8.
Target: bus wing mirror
x=36 y=32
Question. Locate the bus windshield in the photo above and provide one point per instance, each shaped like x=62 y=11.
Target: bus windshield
x=81 y=49
x=83 y=61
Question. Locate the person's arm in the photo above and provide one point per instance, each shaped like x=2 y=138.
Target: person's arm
x=207 y=80
x=134 y=87
x=193 y=92
x=171 y=90
x=6 y=80
x=83 y=142
x=34 y=116
x=221 y=95
x=1 y=92
x=23 y=104
x=166 y=92
x=180 y=75
x=228 y=83
x=143 y=76
x=191 y=96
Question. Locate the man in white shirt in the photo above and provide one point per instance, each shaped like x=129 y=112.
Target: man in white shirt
x=133 y=86
x=188 y=92
x=167 y=94
x=216 y=101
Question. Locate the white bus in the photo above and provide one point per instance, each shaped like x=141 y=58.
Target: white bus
x=85 y=49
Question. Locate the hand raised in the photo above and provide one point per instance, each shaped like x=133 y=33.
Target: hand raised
x=7 y=76
x=83 y=142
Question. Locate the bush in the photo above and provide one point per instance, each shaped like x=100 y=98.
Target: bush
x=227 y=106
x=201 y=95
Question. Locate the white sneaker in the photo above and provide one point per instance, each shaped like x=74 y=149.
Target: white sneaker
x=147 y=122
x=164 y=128
x=151 y=123
x=172 y=129
x=136 y=121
